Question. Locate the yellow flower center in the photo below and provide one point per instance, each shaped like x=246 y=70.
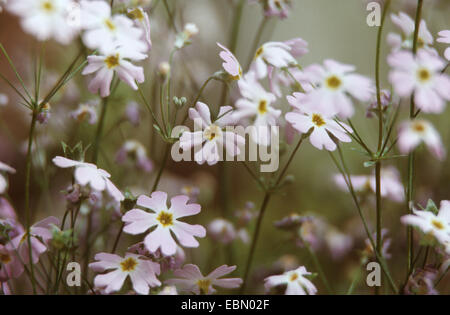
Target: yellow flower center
x=165 y=218
x=136 y=14
x=259 y=52
x=5 y=258
x=109 y=24
x=128 y=264
x=318 y=120
x=203 y=285
x=212 y=132
x=418 y=127
x=438 y=224
x=333 y=82
x=423 y=75
x=112 y=61
x=293 y=277
x=48 y=6
x=262 y=107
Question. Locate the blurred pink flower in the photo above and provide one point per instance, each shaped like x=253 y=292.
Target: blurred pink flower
x=4 y=168
x=142 y=272
x=297 y=283
x=230 y=64
x=445 y=38
x=193 y=281
x=335 y=83
x=431 y=224
x=304 y=117
x=166 y=221
x=142 y=21
x=85 y=111
x=407 y=26
x=421 y=75
x=137 y=153
x=10 y=265
x=212 y=137
x=6 y=209
x=275 y=54
x=88 y=174
x=222 y=230
x=413 y=133
x=40 y=234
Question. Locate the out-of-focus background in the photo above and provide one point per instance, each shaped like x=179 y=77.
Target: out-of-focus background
x=334 y=29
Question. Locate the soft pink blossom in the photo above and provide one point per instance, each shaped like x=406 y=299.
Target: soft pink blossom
x=142 y=272
x=10 y=265
x=166 y=221
x=190 y=279
x=406 y=39
x=296 y=281
x=445 y=38
x=230 y=63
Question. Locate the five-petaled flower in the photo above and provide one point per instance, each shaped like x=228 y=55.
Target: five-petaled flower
x=296 y=281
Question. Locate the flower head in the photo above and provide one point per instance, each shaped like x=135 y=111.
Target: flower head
x=166 y=221
x=88 y=174
x=421 y=75
x=445 y=38
x=222 y=230
x=135 y=151
x=213 y=136
x=192 y=280
x=407 y=26
x=297 y=283
x=142 y=272
x=142 y=21
x=305 y=118
x=414 y=132
x=10 y=265
x=86 y=112
x=4 y=168
x=230 y=63
x=275 y=54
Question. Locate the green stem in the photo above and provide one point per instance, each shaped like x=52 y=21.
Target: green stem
x=319 y=269
x=197 y=98
x=98 y=134
x=27 y=196
x=161 y=169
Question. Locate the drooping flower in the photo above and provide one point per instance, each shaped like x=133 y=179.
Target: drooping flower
x=10 y=265
x=230 y=63
x=421 y=75
x=142 y=272
x=46 y=19
x=4 y=168
x=40 y=235
x=297 y=283
x=407 y=26
x=429 y=223
x=256 y=103
x=210 y=138
x=278 y=8
x=306 y=117
x=135 y=151
x=85 y=111
x=190 y=279
x=103 y=30
x=166 y=221
x=275 y=54
x=88 y=174
x=445 y=38
x=133 y=113
x=412 y=133
x=334 y=83
x=114 y=60
x=142 y=21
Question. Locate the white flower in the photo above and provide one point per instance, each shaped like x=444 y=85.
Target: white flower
x=4 y=168
x=407 y=25
x=142 y=21
x=275 y=54
x=412 y=133
x=212 y=137
x=88 y=174
x=297 y=283
x=256 y=103
x=445 y=38
x=104 y=30
x=46 y=19
x=435 y=225
x=4 y=99
x=115 y=60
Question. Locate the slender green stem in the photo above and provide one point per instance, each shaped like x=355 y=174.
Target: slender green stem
x=170 y=15
x=116 y=242
x=27 y=196
x=197 y=98
x=98 y=133
x=319 y=269
x=410 y=186
x=161 y=168
x=354 y=283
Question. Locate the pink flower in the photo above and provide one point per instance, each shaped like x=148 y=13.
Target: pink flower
x=4 y=168
x=40 y=234
x=429 y=223
x=305 y=117
x=142 y=272
x=213 y=137
x=115 y=60
x=136 y=152
x=230 y=64
x=421 y=75
x=297 y=283
x=10 y=265
x=445 y=38
x=335 y=83
x=222 y=230
x=412 y=133
x=193 y=281
x=88 y=174
x=85 y=111
x=6 y=210
x=166 y=221
x=407 y=25
x=143 y=22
